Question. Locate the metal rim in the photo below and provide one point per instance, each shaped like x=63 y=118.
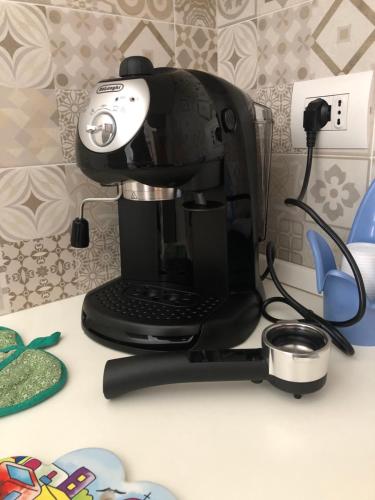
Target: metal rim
x=136 y=191
x=305 y=331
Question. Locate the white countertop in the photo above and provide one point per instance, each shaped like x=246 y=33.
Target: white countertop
x=206 y=441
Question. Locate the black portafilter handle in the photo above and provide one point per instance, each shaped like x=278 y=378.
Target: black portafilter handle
x=125 y=375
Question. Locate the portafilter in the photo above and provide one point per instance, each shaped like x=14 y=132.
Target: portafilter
x=293 y=357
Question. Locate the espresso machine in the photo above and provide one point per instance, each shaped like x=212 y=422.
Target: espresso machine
x=190 y=156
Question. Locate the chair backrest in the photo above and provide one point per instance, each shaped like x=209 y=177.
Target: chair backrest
x=363 y=228
x=323 y=257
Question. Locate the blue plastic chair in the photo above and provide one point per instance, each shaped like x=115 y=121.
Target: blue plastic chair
x=340 y=293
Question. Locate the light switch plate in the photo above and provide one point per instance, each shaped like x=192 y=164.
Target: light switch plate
x=351 y=129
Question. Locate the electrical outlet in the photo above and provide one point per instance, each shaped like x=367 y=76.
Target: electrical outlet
x=350 y=98
x=339 y=110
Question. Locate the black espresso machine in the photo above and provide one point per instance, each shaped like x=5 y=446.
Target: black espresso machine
x=190 y=156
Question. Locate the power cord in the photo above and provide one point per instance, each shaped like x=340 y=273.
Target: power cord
x=316 y=116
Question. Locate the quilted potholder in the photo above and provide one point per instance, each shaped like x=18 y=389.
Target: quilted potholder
x=86 y=474
x=28 y=374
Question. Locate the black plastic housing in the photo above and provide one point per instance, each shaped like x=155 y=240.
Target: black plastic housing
x=178 y=138
x=189 y=266
x=136 y=66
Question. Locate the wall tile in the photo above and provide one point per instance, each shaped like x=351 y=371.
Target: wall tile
x=25 y=56
x=149 y=39
x=279 y=99
x=84 y=47
x=4 y=292
x=343 y=34
x=267 y=6
x=149 y=9
x=285 y=224
x=314 y=39
x=286 y=230
x=69 y=105
x=196 y=12
x=336 y=188
x=39 y=271
x=101 y=261
x=107 y=6
x=28 y=127
x=94 y=5
x=237 y=49
x=284 y=46
x=99 y=214
x=34 y=202
x=196 y=48
x=87 y=47
x=286 y=178
x=234 y=11
x=336 y=198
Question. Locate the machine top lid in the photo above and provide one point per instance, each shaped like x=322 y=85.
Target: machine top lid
x=136 y=66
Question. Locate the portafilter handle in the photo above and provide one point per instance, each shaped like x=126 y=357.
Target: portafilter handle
x=148 y=370
x=80 y=233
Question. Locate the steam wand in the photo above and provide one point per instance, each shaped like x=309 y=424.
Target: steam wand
x=80 y=227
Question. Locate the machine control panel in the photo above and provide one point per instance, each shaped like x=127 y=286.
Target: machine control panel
x=114 y=114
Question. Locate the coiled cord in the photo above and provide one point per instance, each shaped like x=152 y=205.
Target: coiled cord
x=309 y=316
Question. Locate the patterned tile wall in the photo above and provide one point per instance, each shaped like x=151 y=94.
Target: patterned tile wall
x=237 y=48
x=196 y=12
x=52 y=52
x=264 y=46
x=196 y=48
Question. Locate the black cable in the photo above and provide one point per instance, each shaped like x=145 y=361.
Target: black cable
x=329 y=326
x=347 y=254
x=306 y=179
x=265 y=273
x=316 y=116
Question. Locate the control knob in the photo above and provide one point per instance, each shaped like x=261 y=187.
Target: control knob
x=102 y=129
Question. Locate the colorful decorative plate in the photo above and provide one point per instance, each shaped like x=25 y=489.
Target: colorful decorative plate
x=86 y=474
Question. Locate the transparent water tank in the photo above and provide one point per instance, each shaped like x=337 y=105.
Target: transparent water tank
x=263 y=127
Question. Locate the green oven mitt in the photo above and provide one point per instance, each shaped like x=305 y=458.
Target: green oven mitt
x=28 y=374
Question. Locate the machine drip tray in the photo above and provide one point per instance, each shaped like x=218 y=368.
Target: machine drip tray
x=125 y=314
x=138 y=316
x=149 y=303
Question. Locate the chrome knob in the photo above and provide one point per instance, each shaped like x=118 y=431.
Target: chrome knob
x=102 y=129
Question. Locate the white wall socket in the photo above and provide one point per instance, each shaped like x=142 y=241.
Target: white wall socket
x=351 y=98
